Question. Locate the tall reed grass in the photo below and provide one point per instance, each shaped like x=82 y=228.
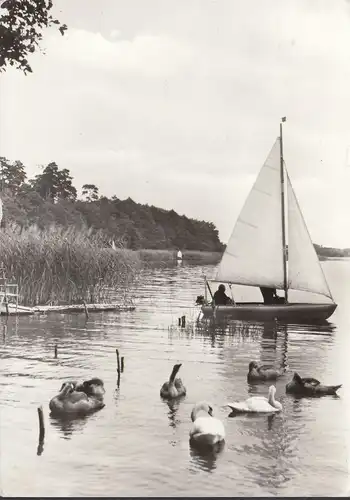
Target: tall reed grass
x=65 y=266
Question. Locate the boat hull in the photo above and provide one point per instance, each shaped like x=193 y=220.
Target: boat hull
x=294 y=313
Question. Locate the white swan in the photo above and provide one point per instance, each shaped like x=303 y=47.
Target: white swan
x=258 y=404
x=206 y=430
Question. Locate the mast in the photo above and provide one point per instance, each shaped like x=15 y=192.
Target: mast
x=284 y=246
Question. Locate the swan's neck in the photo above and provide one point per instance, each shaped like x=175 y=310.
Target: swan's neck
x=173 y=374
x=271 y=399
x=200 y=413
x=64 y=392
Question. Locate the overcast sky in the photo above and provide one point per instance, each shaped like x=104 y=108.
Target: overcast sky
x=177 y=103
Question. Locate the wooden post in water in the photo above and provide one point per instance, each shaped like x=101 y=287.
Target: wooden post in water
x=86 y=310
x=56 y=351
x=41 y=430
x=118 y=367
x=5 y=291
x=183 y=321
x=122 y=364
x=6 y=306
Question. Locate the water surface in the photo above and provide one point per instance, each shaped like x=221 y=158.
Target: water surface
x=138 y=444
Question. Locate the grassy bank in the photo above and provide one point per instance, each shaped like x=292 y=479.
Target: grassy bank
x=64 y=266
x=167 y=256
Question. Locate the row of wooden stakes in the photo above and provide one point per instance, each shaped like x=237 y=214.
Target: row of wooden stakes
x=182 y=321
x=120 y=369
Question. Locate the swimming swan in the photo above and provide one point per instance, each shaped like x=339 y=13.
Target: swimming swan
x=69 y=402
x=174 y=388
x=258 y=404
x=206 y=430
x=93 y=387
x=310 y=387
x=260 y=373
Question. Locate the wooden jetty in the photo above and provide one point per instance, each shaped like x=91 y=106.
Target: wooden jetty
x=18 y=310
x=9 y=306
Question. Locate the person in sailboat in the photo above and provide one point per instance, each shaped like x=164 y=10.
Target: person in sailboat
x=270 y=296
x=220 y=297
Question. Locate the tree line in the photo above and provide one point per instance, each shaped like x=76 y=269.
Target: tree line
x=331 y=252
x=51 y=198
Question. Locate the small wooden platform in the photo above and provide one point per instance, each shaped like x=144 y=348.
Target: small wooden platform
x=74 y=308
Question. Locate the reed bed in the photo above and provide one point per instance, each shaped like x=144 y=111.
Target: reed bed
x=166 y=256
x=65 y=265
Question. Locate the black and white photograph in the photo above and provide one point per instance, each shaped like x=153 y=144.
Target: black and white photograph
x=174 y=248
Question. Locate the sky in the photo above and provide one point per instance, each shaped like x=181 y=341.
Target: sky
x=177 y=103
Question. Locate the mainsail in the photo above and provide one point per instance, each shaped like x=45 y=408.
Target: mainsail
x=304 y=269
x=254 y=254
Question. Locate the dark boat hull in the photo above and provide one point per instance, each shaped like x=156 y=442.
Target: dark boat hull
x=253 y=311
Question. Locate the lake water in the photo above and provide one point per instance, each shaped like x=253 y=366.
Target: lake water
x=138 y=444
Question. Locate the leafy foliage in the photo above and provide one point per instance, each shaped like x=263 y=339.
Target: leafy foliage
x=51 y=199
x=20 y=30
x=90 y=192
x=54 y=183
x=12 y=175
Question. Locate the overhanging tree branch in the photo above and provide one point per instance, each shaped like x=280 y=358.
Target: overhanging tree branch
x=21 y=25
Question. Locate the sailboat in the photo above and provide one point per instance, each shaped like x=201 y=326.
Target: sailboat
x=258 y=254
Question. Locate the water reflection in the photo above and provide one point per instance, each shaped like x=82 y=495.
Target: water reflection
x=320 y=328
x=4 y=332
x=269 y=450
x=173 y=406
x=40 y=448
x=117 y=392
x=205 y=459
x=270 y=420
x=272 y=454
x=241 y=330
x=274 y=345
x=67 y=426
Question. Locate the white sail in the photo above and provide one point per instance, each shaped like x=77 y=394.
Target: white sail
x=304 y=269
x=254 y=254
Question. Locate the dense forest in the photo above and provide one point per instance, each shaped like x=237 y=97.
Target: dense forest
x=51 y=199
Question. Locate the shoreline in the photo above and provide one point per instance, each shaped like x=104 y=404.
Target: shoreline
x=166 y=256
